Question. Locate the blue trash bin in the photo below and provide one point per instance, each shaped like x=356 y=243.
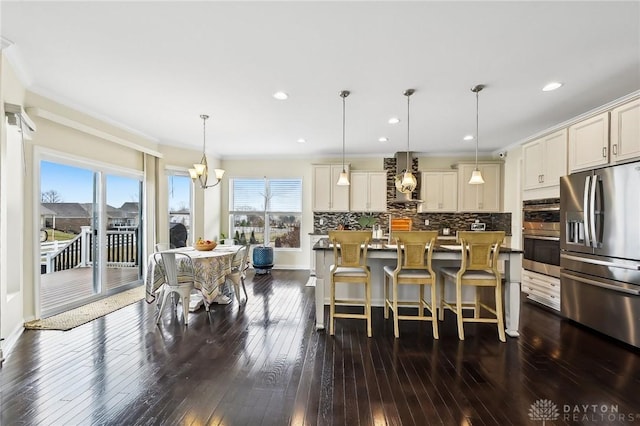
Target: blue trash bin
x=262 y=259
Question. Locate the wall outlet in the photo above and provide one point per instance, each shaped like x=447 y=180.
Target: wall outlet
x=321 y=221
x=426 y=222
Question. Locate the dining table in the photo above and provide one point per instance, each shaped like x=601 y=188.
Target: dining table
x=210 y=270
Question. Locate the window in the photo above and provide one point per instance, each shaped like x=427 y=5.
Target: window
x=179 y=186
x=277 y=203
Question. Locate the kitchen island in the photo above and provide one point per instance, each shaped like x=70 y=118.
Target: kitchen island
x=379 y=254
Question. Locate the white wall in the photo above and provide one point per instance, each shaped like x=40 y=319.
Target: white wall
x=12 y=178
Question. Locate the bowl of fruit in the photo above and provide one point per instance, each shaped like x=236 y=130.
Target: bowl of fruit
x=205 y=245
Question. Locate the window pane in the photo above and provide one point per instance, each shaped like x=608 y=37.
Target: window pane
x=179 y=209
x=286 y=195
x=284 y=230
x=248 y=194
x=249 y=227
x=283 y=198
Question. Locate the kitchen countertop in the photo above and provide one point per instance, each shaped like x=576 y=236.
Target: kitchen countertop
x=381 y=245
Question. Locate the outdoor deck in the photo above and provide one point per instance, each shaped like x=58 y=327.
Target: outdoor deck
x=63 y=290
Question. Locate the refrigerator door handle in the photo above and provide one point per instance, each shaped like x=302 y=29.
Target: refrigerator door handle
x=602 y=285
x=632 y=267
x=592 y=211
x=585 y=210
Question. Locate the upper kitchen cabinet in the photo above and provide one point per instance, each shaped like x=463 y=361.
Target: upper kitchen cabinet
x=625 y=132
x=545 y=161
x=589 y=143
x=327 y=196
x=368 y=191
x=486 y=197
x=439 y=191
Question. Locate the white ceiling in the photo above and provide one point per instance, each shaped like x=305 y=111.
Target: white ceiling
x=156 y=66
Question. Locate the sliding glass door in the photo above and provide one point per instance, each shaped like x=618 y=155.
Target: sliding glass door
x=90 y=224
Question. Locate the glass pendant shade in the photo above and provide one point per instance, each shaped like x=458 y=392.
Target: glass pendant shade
x=343 y=180
x=219 y=173
x=200 y=168
x=406 y=182
x=476 y=178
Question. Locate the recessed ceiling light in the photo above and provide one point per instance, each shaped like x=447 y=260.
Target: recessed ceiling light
x=281 y=96
x=468 y=138
x=302 y=140
x=383 y=139
x=551 y=86
x=394 y=120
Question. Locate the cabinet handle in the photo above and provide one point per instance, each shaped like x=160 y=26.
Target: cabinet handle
x=541 y=178
x=479 y=205
x=615 y=149
x=604 y=151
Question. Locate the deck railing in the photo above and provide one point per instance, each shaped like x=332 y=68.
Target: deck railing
x=122 y=251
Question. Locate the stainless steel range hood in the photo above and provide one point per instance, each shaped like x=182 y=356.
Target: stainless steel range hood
x=401 y=165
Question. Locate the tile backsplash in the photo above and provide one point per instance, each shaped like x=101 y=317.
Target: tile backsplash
x=437 y=221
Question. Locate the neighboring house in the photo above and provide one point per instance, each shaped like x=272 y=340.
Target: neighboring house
x=47 y=217
x=129 y=216
x=69 y=217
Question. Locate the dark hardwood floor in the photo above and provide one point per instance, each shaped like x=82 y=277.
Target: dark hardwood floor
x=265 y=364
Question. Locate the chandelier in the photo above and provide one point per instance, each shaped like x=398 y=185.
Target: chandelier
x=200 y=171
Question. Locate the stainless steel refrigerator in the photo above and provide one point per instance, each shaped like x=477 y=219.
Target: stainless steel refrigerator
x=600 y=250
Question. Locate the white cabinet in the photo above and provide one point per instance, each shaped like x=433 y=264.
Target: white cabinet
x=486 y=197
x=313 y=239
x=545 y=161
x=589 y=143
x=439 y=191
x=368 y=191
x=327 y=196
x=607 y=138
x=625 y=132
x=541 y=288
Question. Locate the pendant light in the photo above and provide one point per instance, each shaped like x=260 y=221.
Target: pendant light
x=476 y=176
x=200 y=171
x=406 y=182
x=343 y=180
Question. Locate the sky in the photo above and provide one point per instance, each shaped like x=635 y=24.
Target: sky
x=75 y=185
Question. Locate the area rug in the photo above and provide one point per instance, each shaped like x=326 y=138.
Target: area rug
x=84 y=314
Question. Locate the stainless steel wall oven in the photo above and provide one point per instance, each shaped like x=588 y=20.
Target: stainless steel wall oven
x=541 y=236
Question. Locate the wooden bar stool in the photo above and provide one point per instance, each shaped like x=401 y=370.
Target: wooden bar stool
x=349 y=267
x=415 y=250
x=479 y=268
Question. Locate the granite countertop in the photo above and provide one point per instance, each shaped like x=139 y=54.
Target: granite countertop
x=381 y=245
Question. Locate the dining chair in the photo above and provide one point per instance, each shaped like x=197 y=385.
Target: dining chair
x=349 y=267
x=413 y=268
x=479 y=268
x=239 y=266
x=179 y=277
x=162 y=246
